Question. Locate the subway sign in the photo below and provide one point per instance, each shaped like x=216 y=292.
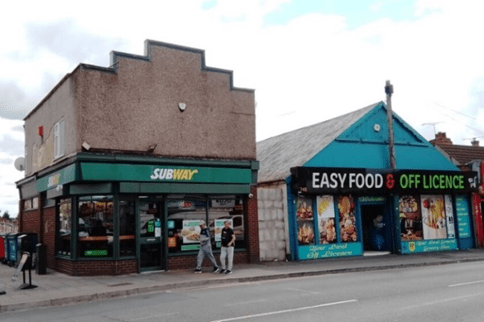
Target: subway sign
x=309 y=180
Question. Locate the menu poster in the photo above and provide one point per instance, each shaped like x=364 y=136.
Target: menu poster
x=433 y=217
x=450 y=216
x=305 y=233
x=462 y=209
x=347 y=218
x=410 y=218
x=304 y=210
x=325 y=208
x=191 y=231
x=218 y=226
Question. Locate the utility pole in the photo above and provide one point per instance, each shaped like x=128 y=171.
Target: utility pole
x=391 y=144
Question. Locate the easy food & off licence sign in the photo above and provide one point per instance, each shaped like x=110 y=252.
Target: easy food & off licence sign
x=347 y=180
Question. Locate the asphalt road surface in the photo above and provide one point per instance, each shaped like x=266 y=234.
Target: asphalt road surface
x=436 y=293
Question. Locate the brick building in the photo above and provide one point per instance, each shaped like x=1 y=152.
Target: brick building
x=467 y=157
x=122 y=163
x=8 y=226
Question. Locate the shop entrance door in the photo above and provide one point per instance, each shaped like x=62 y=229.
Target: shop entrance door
x=376 y=224
x=151 y=236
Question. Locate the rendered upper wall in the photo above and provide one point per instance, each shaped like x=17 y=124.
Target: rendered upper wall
x=138 y=106
x=58 y=105
x=134 y=104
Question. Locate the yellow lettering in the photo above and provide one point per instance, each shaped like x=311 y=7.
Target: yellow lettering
x=177 y=173
x=192 y=172
x=185 y=175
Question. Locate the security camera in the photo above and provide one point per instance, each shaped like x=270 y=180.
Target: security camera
x=251 y=196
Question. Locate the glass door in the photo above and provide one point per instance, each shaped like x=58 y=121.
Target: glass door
x=150 y=236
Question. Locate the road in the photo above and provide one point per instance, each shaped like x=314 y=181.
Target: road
x=436 y=293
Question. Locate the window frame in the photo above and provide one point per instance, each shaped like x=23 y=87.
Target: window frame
x=59 y=139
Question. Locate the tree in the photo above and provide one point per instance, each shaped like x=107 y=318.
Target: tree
x=6 y=215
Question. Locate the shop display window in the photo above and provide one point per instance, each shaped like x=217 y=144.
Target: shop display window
x=184 y=216
x=410 y=218
x=95 y=227
x=305 y=221
x=64 y=227
x=433 y=217
x=326 y=219
x=127 y=226
x=223 y=208
x=347 y=219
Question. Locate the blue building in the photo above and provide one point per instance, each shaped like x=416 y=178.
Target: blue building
x=339 y=196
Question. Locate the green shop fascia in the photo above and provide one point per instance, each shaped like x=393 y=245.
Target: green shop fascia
x=121 y=207
x=340 y=212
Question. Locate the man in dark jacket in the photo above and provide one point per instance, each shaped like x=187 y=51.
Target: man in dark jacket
x=227 y=251
x=205 y=249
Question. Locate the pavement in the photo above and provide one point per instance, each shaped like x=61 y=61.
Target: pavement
x=57 y=289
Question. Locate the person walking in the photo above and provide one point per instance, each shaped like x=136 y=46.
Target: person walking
x=227 y=251
x=205 y=249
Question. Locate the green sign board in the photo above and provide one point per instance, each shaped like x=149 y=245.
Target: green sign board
x=463 y=221
x=422 y=246
x=63 y=176
x=190 y=247
x=96 y=253
x=330 y=250
x=155 y=173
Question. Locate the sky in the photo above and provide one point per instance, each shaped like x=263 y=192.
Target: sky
x=308 y=60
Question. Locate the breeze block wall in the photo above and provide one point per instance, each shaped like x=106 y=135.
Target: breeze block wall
x=272 y=226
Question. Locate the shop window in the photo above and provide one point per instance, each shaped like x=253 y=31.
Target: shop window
x=305 y=221
x=326 y=221
x=64 y=227
x=95 y=226
x=127 y=224
x=222 y=209
x=31 y=204
x=59 y=130
x=410 y=218
x=347 y=219
x=184 y=215
x=433 y=217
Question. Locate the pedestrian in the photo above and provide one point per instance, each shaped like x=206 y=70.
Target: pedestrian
x=227 y=251
x=205 y=249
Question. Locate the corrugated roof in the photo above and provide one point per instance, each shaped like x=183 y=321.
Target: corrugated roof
x=463 y=153
x=278 y=154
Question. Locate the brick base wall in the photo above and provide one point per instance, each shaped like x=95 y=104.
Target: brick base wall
x=93 y=268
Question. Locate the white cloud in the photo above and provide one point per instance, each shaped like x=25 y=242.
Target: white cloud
x=308 y=70
x=11 y=147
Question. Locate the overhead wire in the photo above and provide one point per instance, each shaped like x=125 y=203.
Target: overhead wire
x=456 y=120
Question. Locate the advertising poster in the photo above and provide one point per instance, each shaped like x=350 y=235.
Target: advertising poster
x=410 y=218
x=218 y=226
x=347 y=219
x=463 y=222
x=433 y=217
x=305 y=221
x=191 y=231
x=325 y=208
x=450 y=216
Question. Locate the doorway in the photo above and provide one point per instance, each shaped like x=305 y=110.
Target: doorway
x=376 y=226
x=151 y=248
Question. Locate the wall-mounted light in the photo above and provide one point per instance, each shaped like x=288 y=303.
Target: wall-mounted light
x=182 y=106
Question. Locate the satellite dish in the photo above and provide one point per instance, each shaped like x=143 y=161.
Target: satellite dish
x=19 y=164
